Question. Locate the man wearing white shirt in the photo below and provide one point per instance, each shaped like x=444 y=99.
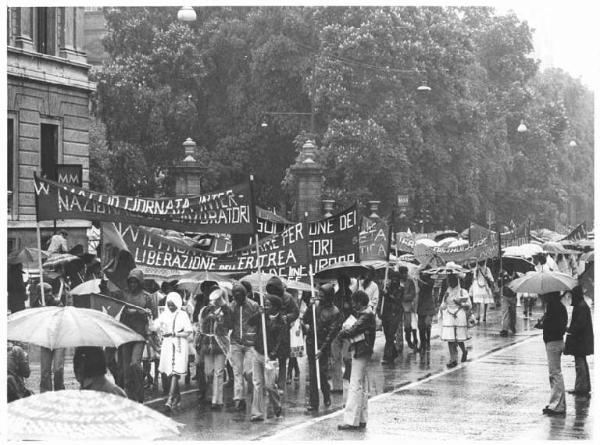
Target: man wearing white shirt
x=369 y=287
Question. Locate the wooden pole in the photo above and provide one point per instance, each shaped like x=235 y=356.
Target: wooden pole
x=314 y=311
x=39 y=244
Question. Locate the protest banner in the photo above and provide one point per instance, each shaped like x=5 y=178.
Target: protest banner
x=226 y=211
x=579 y=232
x=483 y=249
x=373 y=239
x=285 y=254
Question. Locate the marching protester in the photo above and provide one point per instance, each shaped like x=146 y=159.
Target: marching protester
x=289 y=313
x=58 y=242
x=580 y=341
x=425 y=310
x=370 y=287
x=276 y=329
x=454 y=308
x=340 y=348
x=215 y=323
x=201 y=300
x=362 y=336
x=17 y=363
x=175 y=327
x=509 y=306
x=243 y=338
x=482 y=290
x=89 y=366
x=391 y=312
x=409 y=305
x=16 y=290
x=135 y=315
x=554 y=324
x=296 y=341
x=329 y=321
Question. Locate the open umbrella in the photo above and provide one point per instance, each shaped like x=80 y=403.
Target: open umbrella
x=542 y=282
x=254 y=280
x=76 y=415
x=60 y=258
x=64 y=327
x=587 y=257
x=517 y=264
x=192 y=280
x=28 y=256
x=450 y=268
x=87 y=287
x=349 y=267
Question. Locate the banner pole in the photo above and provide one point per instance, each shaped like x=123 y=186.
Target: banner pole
x=313 y=298
x=387 y=261
x=260 y=285
x=39 y=241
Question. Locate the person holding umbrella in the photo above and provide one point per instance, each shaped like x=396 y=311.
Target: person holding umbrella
x=390 y=316
x=176 y=327
x=481 y=289
x=455 y=329
x=425 y=310
x=580 y=341
x=362 y=336
x=509 y=306
x=554 y=325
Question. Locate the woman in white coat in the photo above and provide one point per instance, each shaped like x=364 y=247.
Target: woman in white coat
x=455 y=329
x=174 y=324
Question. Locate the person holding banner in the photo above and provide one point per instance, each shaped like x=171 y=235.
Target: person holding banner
x=362 y=336
x=329 y=322
x=277 y=329
x=243 y=339
x=390 y=317
x=215 y=323
x=175 y=327
x=130 y=354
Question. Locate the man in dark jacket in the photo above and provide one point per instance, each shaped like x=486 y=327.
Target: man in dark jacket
x=580 y=341
x=329 y=322
x=290 y=313
x=362 y=336
x=201 y=300
x=130 y=354
x=243 y=339
x=554 y=326
x=391 y=311
x=509 y=307
x=17 y=293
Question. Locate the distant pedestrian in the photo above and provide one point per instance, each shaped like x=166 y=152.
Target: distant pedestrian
x=58 y=242
x=425 y=310
x=391 y=312
x=580 y=341
x=409 y=303
x=362 y=336
x=175 y=327
x=455 y=329
x=482 y=290
x=509 y=306
x=555 y=325
x=89 y=366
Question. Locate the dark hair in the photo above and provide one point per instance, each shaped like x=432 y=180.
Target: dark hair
x=402 y=269
x=90 y=361
x=344 y=278
x=577 y=295
x=453 y=280
x=360 y=297
x=247 y=285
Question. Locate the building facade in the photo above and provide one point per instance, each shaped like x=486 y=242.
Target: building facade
x=48 y=101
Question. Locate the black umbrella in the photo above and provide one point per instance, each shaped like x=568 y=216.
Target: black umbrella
x=517 y=264
x=348 y=267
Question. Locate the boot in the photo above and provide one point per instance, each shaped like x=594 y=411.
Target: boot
x=347 y=368
x=429 y=338
x=423 y=337
x=408 y=340
x=415 y=340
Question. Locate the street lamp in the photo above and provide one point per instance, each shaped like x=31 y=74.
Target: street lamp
x=424 y=87
x=186 y=14
x=522 y=128
x=572 y=144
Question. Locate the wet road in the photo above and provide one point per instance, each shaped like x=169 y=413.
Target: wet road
x=497 y=394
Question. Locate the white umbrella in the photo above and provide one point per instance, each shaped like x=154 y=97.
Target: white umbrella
x=427 y=242
x=87 y=287
x=543 y=282
x=76 y=415
x=524 y=250
x=64 y=327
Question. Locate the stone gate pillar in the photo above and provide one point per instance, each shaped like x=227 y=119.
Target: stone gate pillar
x=188 y=172
x=309 y=183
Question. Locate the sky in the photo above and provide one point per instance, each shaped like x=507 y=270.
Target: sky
x=565 y=35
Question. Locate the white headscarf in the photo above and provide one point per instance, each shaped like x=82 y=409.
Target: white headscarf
x=175 y=298
x=220 y=295
x=172 y=322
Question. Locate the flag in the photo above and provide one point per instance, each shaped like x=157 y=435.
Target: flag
x=579 y=232
x=117 y=260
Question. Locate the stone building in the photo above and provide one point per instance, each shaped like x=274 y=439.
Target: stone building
x=48 y=101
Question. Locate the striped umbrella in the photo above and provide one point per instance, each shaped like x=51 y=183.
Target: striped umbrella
x=56 y=259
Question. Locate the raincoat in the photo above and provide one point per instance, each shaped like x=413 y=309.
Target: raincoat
x=174 y=349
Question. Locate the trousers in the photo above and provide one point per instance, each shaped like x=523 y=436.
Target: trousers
x=312 y=375
x=509 y=314
x=357 y=404
x=242 y=362
x=582 y=375
x=340 y=351
x=554 y=351
x=390 y=327
x=130 y=362
x=214 y=370
x=52 y=364
x=258 y=379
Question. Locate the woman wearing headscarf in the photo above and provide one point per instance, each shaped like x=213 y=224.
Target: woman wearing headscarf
x=175 y=327
x=580 y=341
x=215 y=323
x=455 y=329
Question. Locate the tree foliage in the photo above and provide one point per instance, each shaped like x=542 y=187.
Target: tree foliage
x=454 y=150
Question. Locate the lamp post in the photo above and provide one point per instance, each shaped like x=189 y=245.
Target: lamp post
x=265 y=124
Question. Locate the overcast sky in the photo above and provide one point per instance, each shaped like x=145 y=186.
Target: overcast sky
x=565 y=34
